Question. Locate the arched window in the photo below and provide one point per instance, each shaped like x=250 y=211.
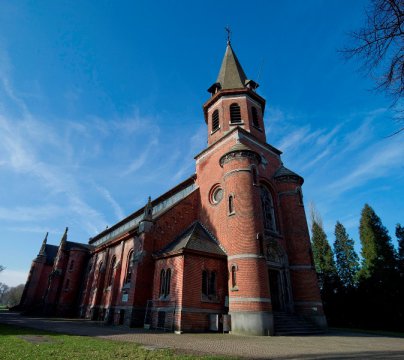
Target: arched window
x=212 y=284
x=260 y=243
x=233 y=276
x=129 y=266
x=268 y=209
x=168 y=283
x=215 y=120
x=205 y=283
x=299 y=196
x=162 y=281
x=111 y=271
x=231 y=204
x=254 y=174
x=235 y=114
x=254 y=113
x=165 y=282
x=71 y=265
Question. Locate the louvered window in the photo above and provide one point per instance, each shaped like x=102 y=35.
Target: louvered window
x=235 y=115
x=215 y=120
x=254 y=113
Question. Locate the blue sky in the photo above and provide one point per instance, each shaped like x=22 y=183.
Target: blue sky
x=101 y=106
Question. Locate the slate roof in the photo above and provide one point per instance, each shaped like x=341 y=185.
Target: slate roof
x=51 y=251
x=285 y=172
x=231 y=74
x=194 y=238
x=73 y=245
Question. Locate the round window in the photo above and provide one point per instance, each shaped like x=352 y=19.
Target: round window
x=216 y=195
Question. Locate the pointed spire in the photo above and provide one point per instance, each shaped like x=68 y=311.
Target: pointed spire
x=64 y=238
x=42 y=250
x=231 y=74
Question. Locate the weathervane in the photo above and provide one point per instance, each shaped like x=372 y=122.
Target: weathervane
x=227 y=28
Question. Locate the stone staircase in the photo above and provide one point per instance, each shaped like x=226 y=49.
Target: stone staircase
x=290 y=324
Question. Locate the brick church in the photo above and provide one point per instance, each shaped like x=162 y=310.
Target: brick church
x=226 y=249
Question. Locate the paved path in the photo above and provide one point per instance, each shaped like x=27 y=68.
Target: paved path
x=335 y=345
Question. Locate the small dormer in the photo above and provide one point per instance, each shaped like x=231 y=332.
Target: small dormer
x=234 y=101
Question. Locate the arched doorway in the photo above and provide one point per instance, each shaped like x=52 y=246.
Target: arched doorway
x=278 y=274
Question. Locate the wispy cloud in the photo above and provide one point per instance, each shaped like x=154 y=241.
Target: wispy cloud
x=107 y=196
x=378 y=161
x=25 y=213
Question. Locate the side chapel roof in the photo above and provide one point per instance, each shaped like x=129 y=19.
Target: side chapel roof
x=194 y=238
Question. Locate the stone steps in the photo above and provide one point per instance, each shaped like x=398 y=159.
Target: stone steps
x=290 y=324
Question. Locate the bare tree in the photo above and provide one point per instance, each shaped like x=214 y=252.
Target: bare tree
x=380 y=45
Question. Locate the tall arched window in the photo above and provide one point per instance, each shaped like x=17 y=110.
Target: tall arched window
x=254 y=174
x=254 y=113
x=235 y=114
x=231 y=204
x=205 y=283
x=162 y=281
x=268 y=209
x=233 y=277
x=111 y=271
x=212 y=284
x=168 y=283
x=215 y=120
x=299 y=196
x=129 y=266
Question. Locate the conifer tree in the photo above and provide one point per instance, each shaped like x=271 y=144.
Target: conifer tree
x=322 y=252
x=377 y=250
x=400 y=239
x=347 y=260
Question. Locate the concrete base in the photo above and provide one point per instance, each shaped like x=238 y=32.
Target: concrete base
x=319 y=320
x=252 y=323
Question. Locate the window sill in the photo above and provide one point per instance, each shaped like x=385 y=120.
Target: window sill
x=231 y=214
x=164 y=298
x=210 y=299
x=236 y=123
x=214 y=131
x=257 y=128
x=234 y=288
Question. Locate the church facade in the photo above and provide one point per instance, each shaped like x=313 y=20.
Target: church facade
x=226 y=249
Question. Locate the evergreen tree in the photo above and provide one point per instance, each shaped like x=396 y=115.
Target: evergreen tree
x=377 y=250
x=400 y=239
x=347 y=259
x=322 y=252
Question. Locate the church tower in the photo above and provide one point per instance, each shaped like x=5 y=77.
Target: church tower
x=253 y=206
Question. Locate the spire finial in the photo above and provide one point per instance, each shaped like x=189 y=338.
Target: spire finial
x=42 y=250
x=64 y=238
x=148 y=210
x=228 y=30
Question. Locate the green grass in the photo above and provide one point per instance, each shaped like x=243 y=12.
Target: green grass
x=24 y=343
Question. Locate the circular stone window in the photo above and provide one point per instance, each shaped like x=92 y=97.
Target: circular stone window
x=216 y=195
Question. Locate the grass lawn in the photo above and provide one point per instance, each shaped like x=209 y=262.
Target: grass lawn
x=24 y=343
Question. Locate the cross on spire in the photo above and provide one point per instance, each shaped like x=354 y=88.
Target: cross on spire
x=228 y=30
